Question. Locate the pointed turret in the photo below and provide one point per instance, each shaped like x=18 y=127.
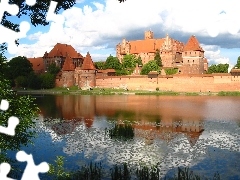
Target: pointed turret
x=68 y=64
x=88 y=63
x=193 y=45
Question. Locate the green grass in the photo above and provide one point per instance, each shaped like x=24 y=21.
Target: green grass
x=159 y=93
x=191 y=94
x=229 y=93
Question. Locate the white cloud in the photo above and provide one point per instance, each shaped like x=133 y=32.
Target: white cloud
x=99 y=24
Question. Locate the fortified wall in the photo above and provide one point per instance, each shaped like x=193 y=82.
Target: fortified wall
x=178 y=83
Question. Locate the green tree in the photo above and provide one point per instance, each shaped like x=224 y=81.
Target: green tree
x=21 y=81
x=99 y=65
x=238 y=63
x=34 y=81
x=48 y=80
x=25 y=110
x=53 y=69
x=129 y=61
x=112 y=63
x=150 y=66
x=36 y=13
x=139 y=61
x=219 y=68
x=157 y=58
x=19 y=66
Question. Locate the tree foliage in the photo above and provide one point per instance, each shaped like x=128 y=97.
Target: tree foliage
x=238 y=63
x=157 y=58
x=19 y=66
x=112 y=63
x=48 y=80
x=36 y=13
x=53 y=69
x=21 y=107
x=171 y=71
x=99 y=65
x=129 y=61
x=150 y=66
x=219 y=68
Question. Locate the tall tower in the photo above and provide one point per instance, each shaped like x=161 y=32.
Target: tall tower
x=148 y=35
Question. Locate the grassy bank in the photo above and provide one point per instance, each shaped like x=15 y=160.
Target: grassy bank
x=112 y=91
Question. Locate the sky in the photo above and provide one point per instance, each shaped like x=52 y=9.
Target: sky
x=98 y=26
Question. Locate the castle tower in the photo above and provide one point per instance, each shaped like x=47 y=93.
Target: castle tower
x=193 y=57
x=148 y=35
x=68 y=72
x=87 y=76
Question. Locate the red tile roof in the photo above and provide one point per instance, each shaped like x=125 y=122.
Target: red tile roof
x=88 y=63
x=193 y=45
x=145 y=46
x=63 y=50
x=37 y=63
x=68 y=65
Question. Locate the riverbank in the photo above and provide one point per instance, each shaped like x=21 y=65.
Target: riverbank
x=110 y=91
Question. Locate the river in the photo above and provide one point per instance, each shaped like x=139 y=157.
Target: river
x=200 y=132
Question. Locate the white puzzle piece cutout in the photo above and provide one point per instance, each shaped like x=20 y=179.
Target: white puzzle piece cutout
x=31 y=171
x=12 y=121
x=4 y=170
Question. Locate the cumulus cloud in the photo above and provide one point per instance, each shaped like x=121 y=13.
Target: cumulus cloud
x=99 y=25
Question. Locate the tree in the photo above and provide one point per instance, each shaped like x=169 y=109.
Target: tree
x=157 y=58
x=150 y=66
x=36 y=13
x=238 y=63
x=99 y=65
x=53 y=69
x=220 y=68
x=25 y=110
x=112 y=63
x=139 y=61
x=19 y=66
x=48 y=80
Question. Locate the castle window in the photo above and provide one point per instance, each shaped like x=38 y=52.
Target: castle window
x=185 y=53
x=188 y=60
x=193 y=61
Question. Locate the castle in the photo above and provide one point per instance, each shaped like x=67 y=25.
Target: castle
x=76 y=70
x=188 y=59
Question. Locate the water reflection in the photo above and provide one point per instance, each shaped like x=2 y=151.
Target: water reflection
x=172 y=131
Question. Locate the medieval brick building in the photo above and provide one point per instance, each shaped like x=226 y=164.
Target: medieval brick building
x=59 y=54
x=189 y=58
x=75 y=69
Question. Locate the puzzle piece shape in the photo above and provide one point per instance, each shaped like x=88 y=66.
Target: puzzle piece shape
x=10 y=130
x=12 y=121
x=4 y=105
x=31 y=171
x=12 y=9
x=9 y=36
x=4 y=170
x=51 y=16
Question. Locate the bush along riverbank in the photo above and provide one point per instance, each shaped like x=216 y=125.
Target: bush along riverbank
x=95 y=171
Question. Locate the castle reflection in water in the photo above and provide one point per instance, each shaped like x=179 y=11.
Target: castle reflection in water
x=152 y=117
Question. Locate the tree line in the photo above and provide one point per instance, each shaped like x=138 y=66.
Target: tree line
x=129 y=63
x=19 y=71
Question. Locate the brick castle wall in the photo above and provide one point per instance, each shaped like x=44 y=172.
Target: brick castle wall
x=178 y=83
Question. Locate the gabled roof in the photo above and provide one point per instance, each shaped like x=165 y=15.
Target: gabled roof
x=145 y=46
x=37 y=63
x=68 y=64
x=193 y=45
x=62 y=50
x=88 y=63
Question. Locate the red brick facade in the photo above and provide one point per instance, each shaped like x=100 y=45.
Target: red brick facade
x=189 y=58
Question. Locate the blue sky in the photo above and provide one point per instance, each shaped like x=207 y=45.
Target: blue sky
x=98 y=26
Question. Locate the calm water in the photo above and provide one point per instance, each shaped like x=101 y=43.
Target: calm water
x=202 y=133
